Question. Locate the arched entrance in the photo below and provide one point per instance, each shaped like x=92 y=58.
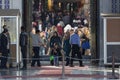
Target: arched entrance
x=94 y=19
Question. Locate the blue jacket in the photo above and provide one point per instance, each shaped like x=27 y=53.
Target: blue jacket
x=75 y=39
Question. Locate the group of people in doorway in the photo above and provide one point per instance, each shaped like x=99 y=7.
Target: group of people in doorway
x=72 y=39
x=73 y=42
x=58 y=31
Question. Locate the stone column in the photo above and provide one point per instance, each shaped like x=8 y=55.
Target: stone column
x=94 y=24
x=27 y=14
x=27 y=22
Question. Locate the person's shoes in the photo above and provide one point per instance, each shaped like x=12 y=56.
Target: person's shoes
x=39 y=65
x=66 y=64
x=23 y=68
x=71 y=65
x=81 y=65
x=51 y=63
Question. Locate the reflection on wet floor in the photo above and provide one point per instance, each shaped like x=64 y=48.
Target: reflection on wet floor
x=54 y=73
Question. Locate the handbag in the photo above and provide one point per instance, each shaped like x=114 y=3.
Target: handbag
x=51 y=57
x=86 y=45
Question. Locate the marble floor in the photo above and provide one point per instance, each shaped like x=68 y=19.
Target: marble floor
x=47 y=72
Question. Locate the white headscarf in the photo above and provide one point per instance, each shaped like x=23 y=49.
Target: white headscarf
x=67 y=27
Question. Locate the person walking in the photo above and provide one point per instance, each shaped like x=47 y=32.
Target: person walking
x=23 y=44
x=75 y=45
x=36 y=43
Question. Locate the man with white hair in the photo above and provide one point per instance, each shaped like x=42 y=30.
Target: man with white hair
x=67 y=28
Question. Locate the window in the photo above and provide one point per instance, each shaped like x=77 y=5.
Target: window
x=0 y=4
x=4 y=4
x=115 y=6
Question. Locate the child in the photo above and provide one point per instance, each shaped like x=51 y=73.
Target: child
x=56 y=53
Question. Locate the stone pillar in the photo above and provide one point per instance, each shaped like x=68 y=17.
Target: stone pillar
x=27 y=22
x=27 y=14
x=94 y=24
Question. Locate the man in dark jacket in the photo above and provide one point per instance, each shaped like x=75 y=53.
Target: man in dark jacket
x=4 y=49
x=23 y=44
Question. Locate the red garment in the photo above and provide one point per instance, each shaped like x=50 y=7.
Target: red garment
x=60 y=30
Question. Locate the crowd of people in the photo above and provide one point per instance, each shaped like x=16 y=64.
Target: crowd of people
x=51 y=34
x=64 y=31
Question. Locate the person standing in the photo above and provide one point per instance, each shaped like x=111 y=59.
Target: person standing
x=4 y=49
x=59 y=29
x=85 y=45
x=55 y=39
x=75 y=43
x=66 y=18
x=23 y=44
x=56 y=52
x=36 y=43
x=67 y=46
x=9 y=51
